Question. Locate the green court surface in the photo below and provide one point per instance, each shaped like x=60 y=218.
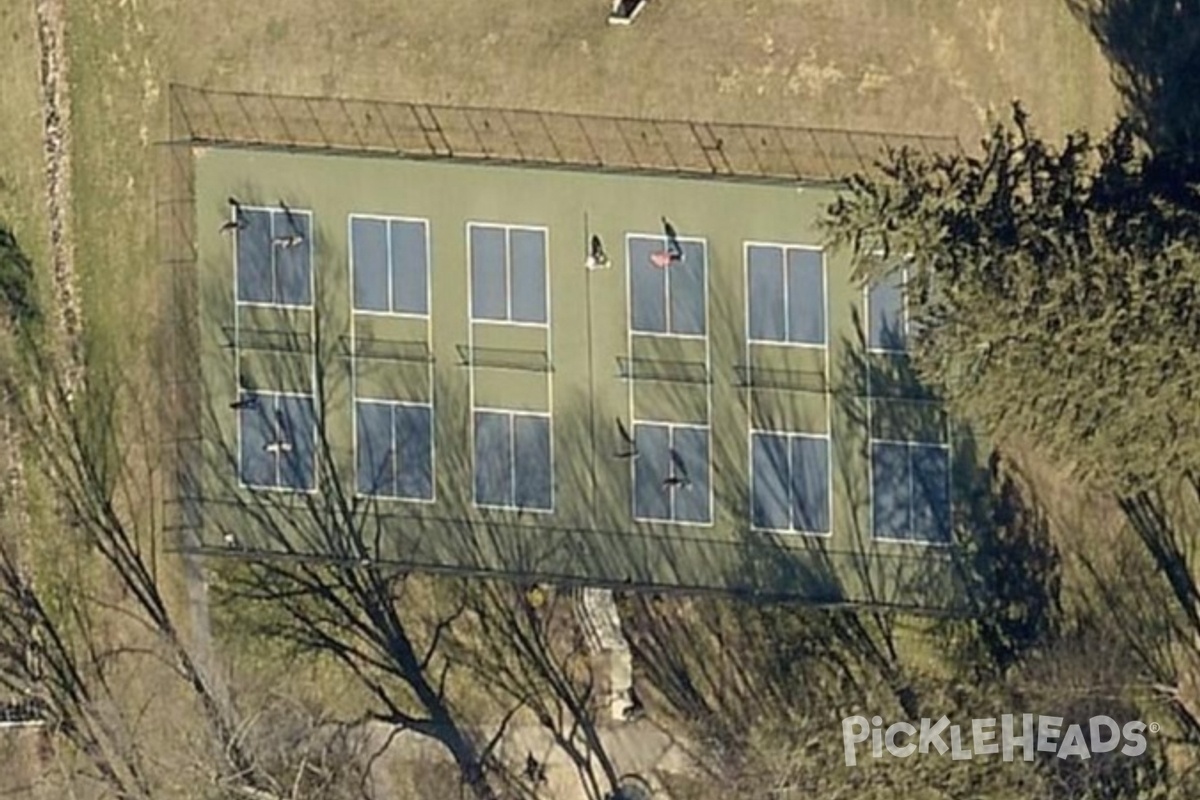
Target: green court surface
x=410 y=361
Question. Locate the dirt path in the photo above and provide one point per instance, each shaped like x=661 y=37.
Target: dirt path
x=56 y=112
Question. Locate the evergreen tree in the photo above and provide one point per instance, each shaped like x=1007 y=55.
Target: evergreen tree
x=1052 y=291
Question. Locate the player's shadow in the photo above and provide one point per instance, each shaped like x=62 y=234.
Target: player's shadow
x=1154 y=48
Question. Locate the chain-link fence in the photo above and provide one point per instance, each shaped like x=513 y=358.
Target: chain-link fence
x=536 y=138
x=175 y=220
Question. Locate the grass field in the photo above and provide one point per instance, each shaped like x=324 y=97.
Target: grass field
x=923 y=66
x=932 y=66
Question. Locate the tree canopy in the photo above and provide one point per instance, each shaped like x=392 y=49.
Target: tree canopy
x=1051 y=292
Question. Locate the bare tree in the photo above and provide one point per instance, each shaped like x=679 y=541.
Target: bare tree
x=355 y=613
x=52 y=659
x=525 y=644
x=312 y=569
x=343 y=603
x=95 y=451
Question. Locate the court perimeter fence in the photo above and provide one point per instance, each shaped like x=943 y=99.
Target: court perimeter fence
x=536 y=138
x=208 y=118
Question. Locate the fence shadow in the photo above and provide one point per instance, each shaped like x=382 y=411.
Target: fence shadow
x=533 y=138
x=728 y=666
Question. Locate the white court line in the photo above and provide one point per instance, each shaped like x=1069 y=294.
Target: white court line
x=472 y=321
x=783 y=248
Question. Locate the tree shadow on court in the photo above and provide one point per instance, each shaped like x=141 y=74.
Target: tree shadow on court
x=998 y=561
x=1016 y=632
x=329 y=571
x=1014 y=638
x=729 y=625
x=833 y=644
x=804 y=613
x=1010 y=562
x=1154 y=47
x=264 y=480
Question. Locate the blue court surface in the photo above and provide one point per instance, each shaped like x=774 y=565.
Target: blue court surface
x=277 y=437
x=274 y=257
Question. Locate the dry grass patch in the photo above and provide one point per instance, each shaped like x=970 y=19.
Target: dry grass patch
x=22 y=180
